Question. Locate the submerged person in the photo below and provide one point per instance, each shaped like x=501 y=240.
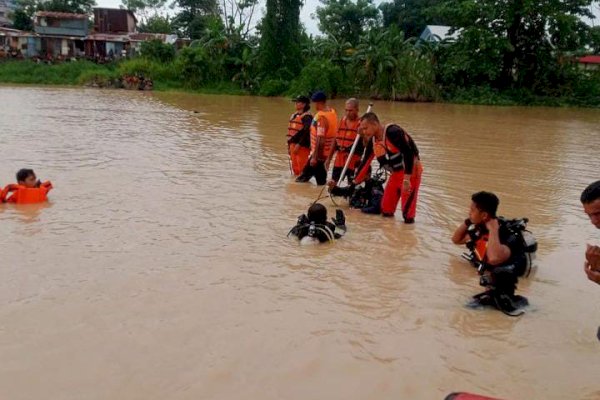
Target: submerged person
x=498 y=250
x=27 y=190
x=322 y=136
x=344 y=139
x=313 y=226
x=298 y=136
x=590 y=199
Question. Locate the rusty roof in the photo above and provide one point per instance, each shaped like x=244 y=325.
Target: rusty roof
x=60 y=15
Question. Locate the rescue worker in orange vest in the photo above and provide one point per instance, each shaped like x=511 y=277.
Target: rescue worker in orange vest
x=396 y=152
x=298 y=136
x=346 y=133
x=322 y=136
x=28 y=189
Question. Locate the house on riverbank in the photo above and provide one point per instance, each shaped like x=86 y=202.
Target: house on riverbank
x=62 y=34
x=18 y=44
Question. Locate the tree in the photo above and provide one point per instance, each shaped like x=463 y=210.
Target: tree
x=69 y=6
x=195 y=16
x=525 y=39
x=411 y=15
x=346 y=20
x=279 y=52
x=238 y=16
x=156 y=24
x=21 y=20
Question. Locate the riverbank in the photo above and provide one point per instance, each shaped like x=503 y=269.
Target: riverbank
x=169 y=76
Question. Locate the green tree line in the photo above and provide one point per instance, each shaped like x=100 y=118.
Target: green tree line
x=507 y=52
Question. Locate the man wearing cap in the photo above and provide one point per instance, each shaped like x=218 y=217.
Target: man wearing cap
x=298 y=136
x=322 y=137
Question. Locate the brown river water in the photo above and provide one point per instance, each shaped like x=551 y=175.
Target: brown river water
x=160 y=269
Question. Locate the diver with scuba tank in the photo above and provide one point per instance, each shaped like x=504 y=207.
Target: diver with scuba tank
x=314 y=227
x=499 y=249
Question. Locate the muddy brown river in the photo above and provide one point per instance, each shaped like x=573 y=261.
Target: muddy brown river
x=160 y=269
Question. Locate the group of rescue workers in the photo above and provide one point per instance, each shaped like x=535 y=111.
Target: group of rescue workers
x=499 y=248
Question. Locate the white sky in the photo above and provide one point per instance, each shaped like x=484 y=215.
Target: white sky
x=309 y=8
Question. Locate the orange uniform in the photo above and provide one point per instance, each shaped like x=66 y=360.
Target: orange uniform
x=20 y=194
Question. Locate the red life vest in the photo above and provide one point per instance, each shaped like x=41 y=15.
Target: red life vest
x=25 y=195
x=295 y=124
x=331 y=116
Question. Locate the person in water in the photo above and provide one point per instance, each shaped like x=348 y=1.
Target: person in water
x=28 y=189
x=344 y=139
x=590 y=199
x=501 y=253
x=314 y=225
x=322 y=137
x=396 y=152
x=298 y=136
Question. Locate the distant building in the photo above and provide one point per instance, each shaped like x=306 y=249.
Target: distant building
x=114 y=20
x=437 y=33
x=6 y=8
x=18 y=44
x=589 y=62
x=62 y=34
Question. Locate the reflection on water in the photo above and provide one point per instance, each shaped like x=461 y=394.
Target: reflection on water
x=161 y=268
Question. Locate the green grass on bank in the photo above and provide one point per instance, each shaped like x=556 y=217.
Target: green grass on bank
x=167 y=77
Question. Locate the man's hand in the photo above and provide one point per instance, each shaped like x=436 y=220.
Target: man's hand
x=331 y=184
x=592 y=275
x=313 y=161
x=592 y=256
x=406 y=184
x=492 y=225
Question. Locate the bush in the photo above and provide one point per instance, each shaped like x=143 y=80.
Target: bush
x=273 y=87
x=158 y=51
x=320 y=75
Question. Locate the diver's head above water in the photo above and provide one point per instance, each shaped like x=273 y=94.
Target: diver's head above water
x=484 y=206
x=317 y=213
x=27 y=178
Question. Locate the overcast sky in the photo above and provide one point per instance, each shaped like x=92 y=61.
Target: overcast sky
x=308 y=9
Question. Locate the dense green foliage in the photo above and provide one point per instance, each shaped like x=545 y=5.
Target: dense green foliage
x=510 y=52
x=280 y=53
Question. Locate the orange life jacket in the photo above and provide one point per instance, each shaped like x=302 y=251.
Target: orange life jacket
x=332 y=123
x=25 y=195
x=481 y=247
x=346 y=134
x=295 y=124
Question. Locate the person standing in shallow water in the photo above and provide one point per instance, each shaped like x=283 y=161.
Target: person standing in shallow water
x=322 y=136
x=298 y=136
x=344 y=139
x=590 y=198
x=396 y=152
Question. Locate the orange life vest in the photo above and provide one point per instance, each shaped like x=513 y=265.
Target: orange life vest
x=481 y=247
x=346 y=134
x=25 y=195
x=332 y=123
x=386 y=147
x=295 y=124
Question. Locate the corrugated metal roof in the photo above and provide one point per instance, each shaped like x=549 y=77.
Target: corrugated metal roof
x=438 y=32
x=61 y=15
x=590 y=60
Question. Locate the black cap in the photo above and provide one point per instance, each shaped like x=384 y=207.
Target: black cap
x=319 y=97
x=301 y=99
